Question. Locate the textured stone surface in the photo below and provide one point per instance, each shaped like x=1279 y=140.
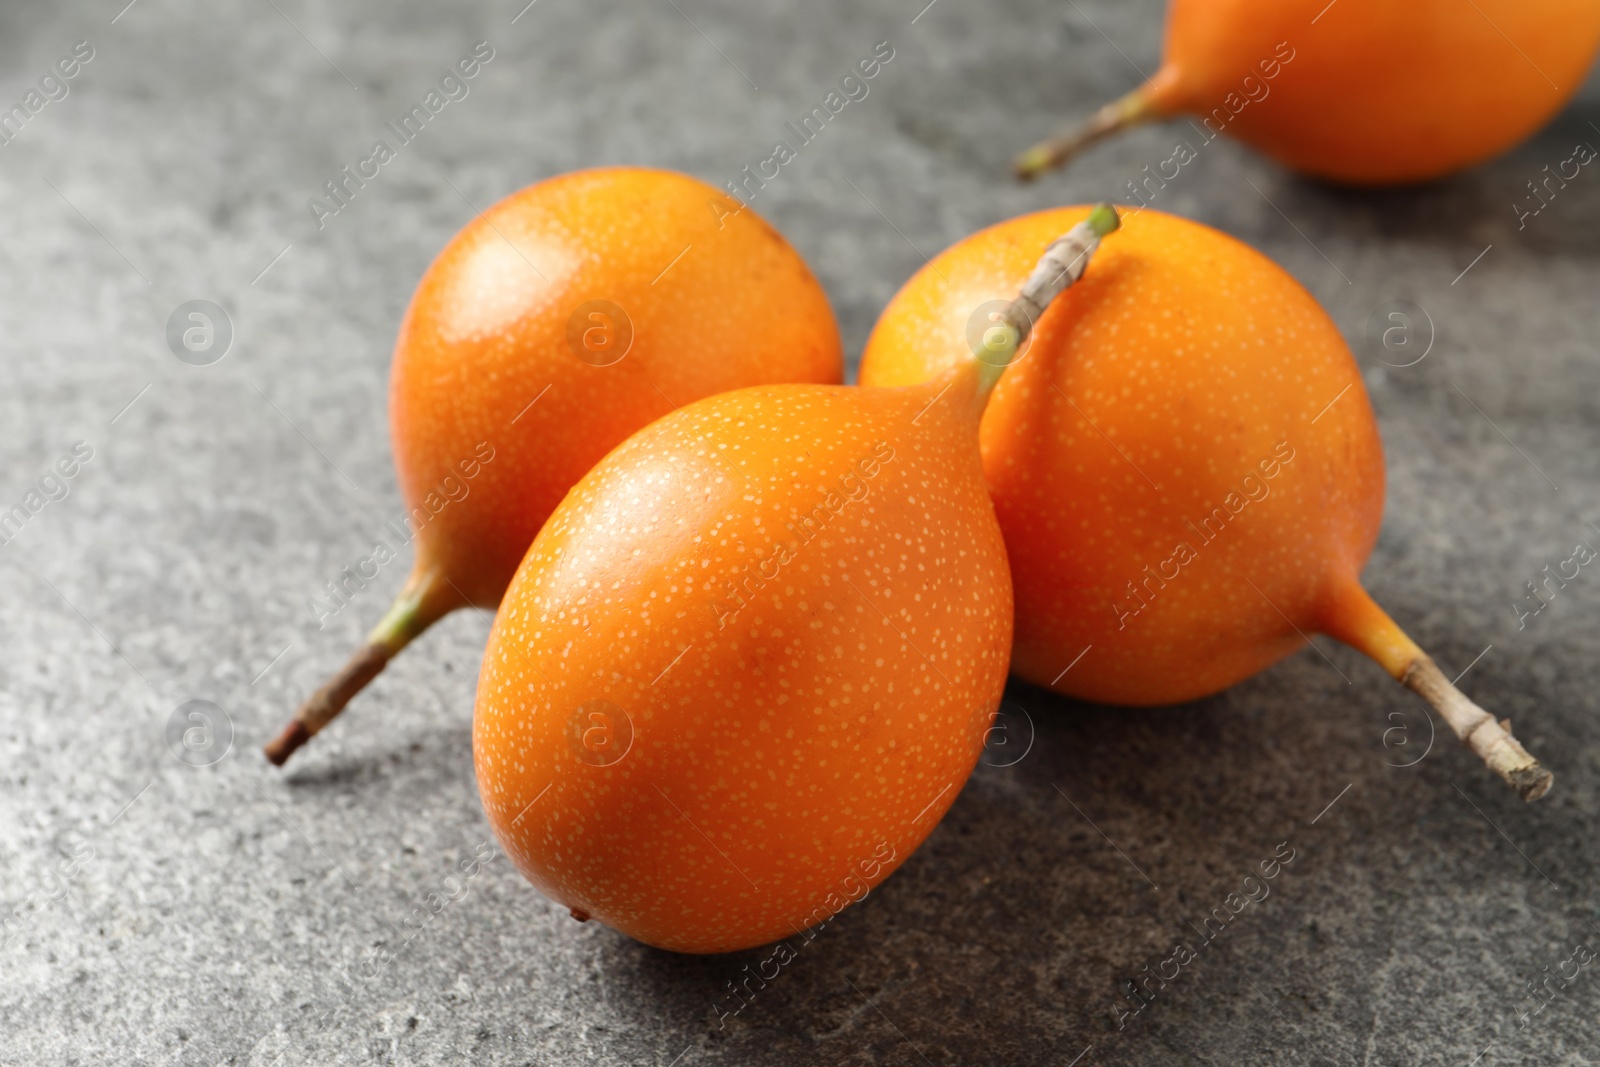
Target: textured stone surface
x=209 y=910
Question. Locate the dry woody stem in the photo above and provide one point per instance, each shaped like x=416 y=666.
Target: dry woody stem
x=1062 y=264
x=327 y=702
x=1491 y=740
x=427 y=596
x=1118 y=115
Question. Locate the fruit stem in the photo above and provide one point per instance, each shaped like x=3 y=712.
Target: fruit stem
x=1359 y=622
x=1062 y=264
x=426 y=597
x=1145 y=103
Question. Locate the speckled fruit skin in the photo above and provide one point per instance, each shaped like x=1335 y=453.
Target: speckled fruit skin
x=717 y=298
x=786 y=752
x=1377 y=91
x=1195 y=357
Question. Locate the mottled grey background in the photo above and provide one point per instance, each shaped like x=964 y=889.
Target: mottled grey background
x=211 y=920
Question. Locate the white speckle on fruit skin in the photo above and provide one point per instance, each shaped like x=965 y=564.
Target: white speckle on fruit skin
x=837 y=643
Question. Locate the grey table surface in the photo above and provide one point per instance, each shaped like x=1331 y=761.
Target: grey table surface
x=161 y=913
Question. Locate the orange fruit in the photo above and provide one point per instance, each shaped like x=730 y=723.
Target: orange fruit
x=1361 y=91
x=751 y=659
x=551 y=327
x=1184 y=463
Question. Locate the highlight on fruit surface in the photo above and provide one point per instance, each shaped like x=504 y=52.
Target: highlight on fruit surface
x=751 y=659
x=1361 y=91
x=556 y=323
x=1185 y=467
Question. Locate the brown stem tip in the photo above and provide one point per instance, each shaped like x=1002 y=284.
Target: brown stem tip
x=1491 y=740
x=1138 y=106
x=282 y=747
x=328 y=702
x=427 y=597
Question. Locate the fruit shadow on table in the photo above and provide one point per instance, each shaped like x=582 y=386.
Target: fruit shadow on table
x=1493 y=201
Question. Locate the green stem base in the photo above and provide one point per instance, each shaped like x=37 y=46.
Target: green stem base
x=1062 y=264
x=426 y=598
